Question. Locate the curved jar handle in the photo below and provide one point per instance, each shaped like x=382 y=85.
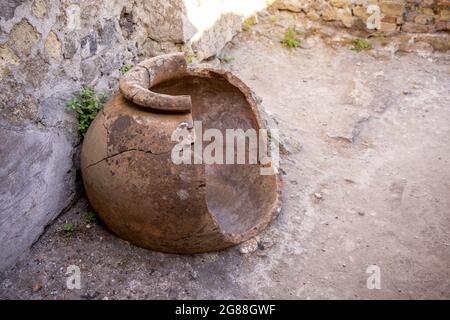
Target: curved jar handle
x=135 y=85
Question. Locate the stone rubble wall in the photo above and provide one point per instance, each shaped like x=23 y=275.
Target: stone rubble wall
x=415 y=16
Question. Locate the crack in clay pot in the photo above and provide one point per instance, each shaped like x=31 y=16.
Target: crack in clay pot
x=129 y=150
x=144 y=197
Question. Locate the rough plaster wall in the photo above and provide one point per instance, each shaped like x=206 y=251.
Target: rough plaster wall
x=36 y=185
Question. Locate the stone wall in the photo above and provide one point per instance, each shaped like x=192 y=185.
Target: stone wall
x=416 y=16
x=51 y=48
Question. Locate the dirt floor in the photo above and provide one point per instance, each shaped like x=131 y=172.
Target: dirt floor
x=367 y=182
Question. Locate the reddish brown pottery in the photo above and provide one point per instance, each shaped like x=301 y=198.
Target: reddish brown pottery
x=137 y=190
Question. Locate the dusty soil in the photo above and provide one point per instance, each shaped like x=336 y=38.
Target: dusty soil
x=367 y=182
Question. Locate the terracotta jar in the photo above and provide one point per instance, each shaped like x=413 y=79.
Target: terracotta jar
x=135 y=186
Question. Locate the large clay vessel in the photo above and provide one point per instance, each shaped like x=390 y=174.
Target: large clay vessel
x=138 y=191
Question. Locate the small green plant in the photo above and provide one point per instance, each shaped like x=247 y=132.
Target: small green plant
x=91 y=218
x=227 y=59
x=69 y=228
x=361 y=44
x=190 y=57
x=290 y=39
x=189 y=54
x=248 y=23
x=125 y=68
x=86 y=103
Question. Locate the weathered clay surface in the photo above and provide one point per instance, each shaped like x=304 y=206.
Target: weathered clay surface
x=134 y=85
x=144 y=197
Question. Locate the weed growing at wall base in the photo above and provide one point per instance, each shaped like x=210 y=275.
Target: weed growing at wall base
x=290 y=39
x=91 y=218
x=86 y=103
x=69 y=229
x=361 y=44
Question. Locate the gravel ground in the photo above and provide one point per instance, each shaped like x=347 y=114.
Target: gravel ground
x=366 y=167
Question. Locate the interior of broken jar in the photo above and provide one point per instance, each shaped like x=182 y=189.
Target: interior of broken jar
x=237 y=195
